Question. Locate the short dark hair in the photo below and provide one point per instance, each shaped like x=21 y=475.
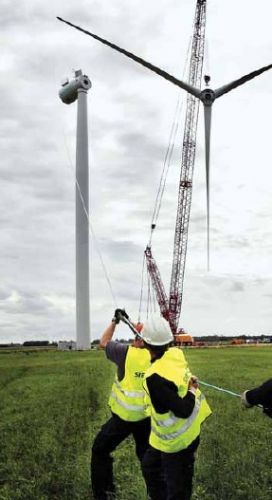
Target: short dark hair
x=158 y=350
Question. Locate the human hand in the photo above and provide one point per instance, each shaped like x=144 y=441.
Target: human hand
x=193 y=384
x=118 y=314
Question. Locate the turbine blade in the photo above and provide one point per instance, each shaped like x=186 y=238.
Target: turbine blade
x=208 y=119
x=185 y=86
x=236 y=83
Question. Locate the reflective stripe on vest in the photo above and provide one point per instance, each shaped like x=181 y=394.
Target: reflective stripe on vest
x=128 y=406
x=127 y=396
x=172 y=420
x=170 y=433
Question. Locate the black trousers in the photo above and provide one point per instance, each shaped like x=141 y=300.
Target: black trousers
x=169 y=476
x=112 y=433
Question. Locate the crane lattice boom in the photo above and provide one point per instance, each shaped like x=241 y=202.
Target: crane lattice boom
x=187 y=167
x=157 y=283
x=185 y=183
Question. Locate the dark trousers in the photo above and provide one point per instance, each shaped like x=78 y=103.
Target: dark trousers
x=169 y=476
x=110 y=436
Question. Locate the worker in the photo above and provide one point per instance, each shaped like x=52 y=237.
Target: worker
x=261 y=395
x=127 y=407
x=177 y=410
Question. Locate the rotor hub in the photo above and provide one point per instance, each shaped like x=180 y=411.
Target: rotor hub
x=207 y=96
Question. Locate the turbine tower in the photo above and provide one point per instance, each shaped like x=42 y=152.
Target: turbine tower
x=77 y=89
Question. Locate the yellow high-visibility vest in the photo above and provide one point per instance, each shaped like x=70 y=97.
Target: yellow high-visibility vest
x=127 y=396
x=168 y=432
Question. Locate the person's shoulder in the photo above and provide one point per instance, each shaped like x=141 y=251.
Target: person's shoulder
x=157 y=380
x=114 y=347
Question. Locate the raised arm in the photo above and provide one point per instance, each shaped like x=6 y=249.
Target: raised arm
x=108 y=334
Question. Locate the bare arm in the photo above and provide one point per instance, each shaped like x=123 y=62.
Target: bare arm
x=107 y=335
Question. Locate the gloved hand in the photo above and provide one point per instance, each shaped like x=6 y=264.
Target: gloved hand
x=193 y=384
x=118 y=314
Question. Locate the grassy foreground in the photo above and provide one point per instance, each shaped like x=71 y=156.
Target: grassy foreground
x=53 y=403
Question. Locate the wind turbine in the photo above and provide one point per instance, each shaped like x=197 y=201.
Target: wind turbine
x=207 y=96
x=77 y=90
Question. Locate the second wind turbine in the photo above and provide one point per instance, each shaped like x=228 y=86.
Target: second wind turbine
x=207 y=96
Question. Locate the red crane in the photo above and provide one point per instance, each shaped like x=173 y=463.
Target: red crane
x=207 y=96
x=157 y=283
x=170 y=308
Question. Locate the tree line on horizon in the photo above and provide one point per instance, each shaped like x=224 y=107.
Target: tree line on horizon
x=95 y=342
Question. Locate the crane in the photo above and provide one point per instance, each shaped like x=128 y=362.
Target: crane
x=185 y=184
x=207 y=96
x=157 y=283
x=187 y=167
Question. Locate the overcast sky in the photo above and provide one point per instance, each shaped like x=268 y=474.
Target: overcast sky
x=131 y=112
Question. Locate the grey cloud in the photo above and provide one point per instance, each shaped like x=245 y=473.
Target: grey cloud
x=129 y=116
x=238 y=286
x=125 y=250
x=25 y=304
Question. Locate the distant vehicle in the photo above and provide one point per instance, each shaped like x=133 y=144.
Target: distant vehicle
x=237 y=341
x=184 y=339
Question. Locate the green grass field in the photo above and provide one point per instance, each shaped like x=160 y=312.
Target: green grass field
x=53 y=403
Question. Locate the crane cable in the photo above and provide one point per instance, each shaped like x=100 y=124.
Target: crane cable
x=169 y=150
x=166 y=165
x=165 y=170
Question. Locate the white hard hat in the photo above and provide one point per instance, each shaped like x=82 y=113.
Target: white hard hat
x=156 y=331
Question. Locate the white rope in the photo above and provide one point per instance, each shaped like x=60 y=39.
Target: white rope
x=142 y=288
x=220 y=389
x=231 y=393
x=90 y=225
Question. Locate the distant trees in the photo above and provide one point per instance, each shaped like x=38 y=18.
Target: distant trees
x=30 y=343
x=229 y=338
x=122 y=341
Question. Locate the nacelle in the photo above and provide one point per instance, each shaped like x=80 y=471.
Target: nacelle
x=68 y=91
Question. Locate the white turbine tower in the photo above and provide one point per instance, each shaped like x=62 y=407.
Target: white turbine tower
x=77 y=89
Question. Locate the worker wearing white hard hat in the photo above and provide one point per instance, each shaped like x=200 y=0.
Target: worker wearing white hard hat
x=156 y=331
x=128 y=409
x=177 y=410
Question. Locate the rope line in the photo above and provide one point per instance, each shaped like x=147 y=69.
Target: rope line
x=220 y=389
x=148 y=296
x=96 y=244
x=231 y=393
x=142 y=289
